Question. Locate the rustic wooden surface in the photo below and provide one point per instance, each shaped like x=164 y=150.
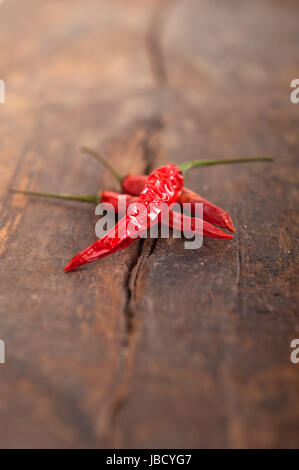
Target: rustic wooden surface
x=156 y=346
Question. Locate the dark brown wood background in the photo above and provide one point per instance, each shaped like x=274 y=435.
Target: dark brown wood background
x=157 y=346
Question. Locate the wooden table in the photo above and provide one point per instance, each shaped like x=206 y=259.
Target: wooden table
x=156 y=346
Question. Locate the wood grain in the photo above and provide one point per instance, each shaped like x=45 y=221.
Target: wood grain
x=157 y=346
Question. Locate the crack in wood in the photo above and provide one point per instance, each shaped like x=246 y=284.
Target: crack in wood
x=153 y=128
x=149 y=147
x=154 y=35
x=109 y=415
x=107 y=424
x=130 y=286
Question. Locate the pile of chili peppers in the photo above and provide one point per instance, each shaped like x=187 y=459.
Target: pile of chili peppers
x=163 y=185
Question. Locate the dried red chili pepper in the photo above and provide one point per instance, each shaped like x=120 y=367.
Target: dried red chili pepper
x=176 y=220
x=133 y=184
x=181 y=222
x=164 y=185
x=211 y=212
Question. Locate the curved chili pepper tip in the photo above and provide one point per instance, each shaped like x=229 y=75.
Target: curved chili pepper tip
x=218 y=234
x=67 y=268
x=229 y=223
x=227 y=236
x=71 y=266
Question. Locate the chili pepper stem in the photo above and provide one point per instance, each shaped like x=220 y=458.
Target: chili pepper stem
x=90 y=198
x=98 y=156
x=188 y=165
x=185 y=166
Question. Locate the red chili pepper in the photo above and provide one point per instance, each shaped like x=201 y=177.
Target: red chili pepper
x=133 y=184
x=211 y=212
x=176 y=220
x=164 y=185
x=181 y=222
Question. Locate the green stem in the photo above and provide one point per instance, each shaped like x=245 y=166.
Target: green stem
x=183 y=166
x=98 y=156
x=90 y=198
x=188 y=165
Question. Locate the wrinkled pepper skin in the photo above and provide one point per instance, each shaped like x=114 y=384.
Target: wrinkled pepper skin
x=133 y=184
x=164 y=185
x=121 y=203
x=117 y=200
x=211 y=213
x=180 y=221
x=176 y=220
